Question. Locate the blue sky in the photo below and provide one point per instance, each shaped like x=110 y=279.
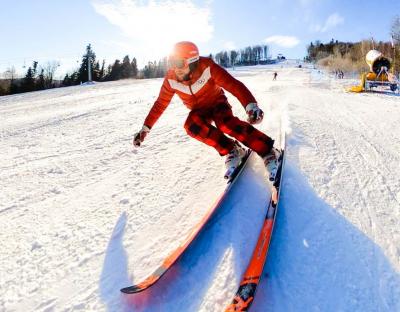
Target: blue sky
x=49 y=30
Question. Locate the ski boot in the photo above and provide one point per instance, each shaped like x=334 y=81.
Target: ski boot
x=271 y=162
x=233 y=160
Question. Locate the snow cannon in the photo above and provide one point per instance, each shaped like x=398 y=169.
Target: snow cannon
x=377 y=62
x=378 y=76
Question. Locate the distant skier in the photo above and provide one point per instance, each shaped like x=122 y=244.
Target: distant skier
x=198 y=81
x=275 y=75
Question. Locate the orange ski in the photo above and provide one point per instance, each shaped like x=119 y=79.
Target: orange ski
x=245 y=295
x=177 y=253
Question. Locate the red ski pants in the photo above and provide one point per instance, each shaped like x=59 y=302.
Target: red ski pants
x=199 y=126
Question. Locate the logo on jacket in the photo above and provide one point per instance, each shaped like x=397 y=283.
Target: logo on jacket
x=199 y=84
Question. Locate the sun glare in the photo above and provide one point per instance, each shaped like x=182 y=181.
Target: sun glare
x=154 y=26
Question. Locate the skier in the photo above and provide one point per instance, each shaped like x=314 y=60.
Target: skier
x=275 y=75
x=198 y=81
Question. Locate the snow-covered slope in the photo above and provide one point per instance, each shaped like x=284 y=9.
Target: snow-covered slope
x=83 y=214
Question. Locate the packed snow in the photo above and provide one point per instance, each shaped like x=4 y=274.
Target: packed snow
x=83 y=213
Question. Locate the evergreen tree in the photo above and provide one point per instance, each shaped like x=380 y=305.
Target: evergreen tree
x=102 y=72
x=66 y=81
x=96 y=71
x=74 y=78
x=247 y=55
x=41 y=83
x=161 y=68
x=71 y=79
x=14 y=87
x=225 y=59
x=126 y=68
x=90 y=56
x=28 y=83
x=265 y=52
x=222 y=58
x=114 y=71
x=258 y=52
x=134 y=68
x=233 y=56
x=148 y=71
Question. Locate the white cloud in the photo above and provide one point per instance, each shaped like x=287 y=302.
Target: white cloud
x=332 y=21
x=229 y=45
x=154 y=26
x=283 y=41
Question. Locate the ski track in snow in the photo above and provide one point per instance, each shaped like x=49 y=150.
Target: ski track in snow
x=82 y=214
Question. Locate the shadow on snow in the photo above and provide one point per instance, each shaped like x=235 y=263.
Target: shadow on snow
x=114 y=274
x=318 y=261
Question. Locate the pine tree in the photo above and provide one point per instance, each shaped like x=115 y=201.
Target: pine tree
x=66 y=81
x=28 y=83
x=225 y=59
x=83 y=70
x=126 y=68
x=102 y=72
x=148 y=70
x=134 y=68
x=265 y=52
x=114 y=71
x=233 y=56
x=108 y=72
x=161 y=68
x=41 y=83
x=14 y=87
x=96 y=71
x=74 y=78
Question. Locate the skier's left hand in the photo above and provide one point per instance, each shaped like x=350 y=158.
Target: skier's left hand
x=254 y=113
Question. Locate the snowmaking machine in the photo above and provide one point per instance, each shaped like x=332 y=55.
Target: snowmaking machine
x=378 y=76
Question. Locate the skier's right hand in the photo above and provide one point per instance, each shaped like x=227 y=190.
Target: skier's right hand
x=139 y=136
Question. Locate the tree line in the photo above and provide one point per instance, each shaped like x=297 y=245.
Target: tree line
x=117 y=70
x=40 y=77
x=350 y=56
x=37 y=77
x=254 y=55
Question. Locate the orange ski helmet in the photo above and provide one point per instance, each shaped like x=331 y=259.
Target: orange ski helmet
x=183 y=54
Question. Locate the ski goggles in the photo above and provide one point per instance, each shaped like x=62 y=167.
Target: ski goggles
x=180 y=63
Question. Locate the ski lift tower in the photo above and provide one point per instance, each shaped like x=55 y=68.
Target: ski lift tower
x=89 y=55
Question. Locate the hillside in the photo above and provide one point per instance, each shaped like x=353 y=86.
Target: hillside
x=83 y=214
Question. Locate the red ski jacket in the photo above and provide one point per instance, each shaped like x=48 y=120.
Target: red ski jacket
x=204 y=89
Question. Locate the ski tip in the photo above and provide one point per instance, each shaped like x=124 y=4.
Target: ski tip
x=131 y=290
x=228 y=174
x=243 y=298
